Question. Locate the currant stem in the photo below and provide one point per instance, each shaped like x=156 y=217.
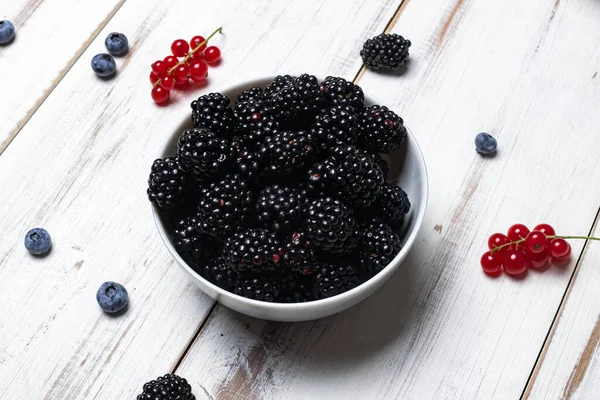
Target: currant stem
x=190 y=54
x=516 y=242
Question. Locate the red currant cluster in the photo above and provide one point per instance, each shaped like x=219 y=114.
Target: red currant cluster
x=175 y=73
x=521 y=248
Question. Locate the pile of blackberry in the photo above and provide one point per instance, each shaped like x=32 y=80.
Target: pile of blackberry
x=281 y=195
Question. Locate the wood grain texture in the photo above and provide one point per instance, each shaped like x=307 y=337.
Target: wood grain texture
x=79 y=168
x=440 y=329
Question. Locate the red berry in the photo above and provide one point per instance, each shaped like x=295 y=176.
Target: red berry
x=212 y=55
x=171 y=61
x=198 y=71
x=536 y=242
x=545 y=229
x=565 y=256
x=153 y=77
x=167 y=82
x=182 y=74
x=515 y=262
x=538 y=260
x=559 y=247
x=491 y=263
x=160 y=95
x=160 y=68
x=497 y=240
x=196 y=40
x=517 y=232
x=180 y=47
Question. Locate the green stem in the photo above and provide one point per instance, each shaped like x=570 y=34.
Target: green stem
x=516 y=242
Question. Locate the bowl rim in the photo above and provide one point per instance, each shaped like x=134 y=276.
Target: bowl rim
x=377 y=280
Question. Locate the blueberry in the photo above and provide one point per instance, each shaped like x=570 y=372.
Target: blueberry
x=485 y=144
x=117 y=44
x=37 y=241
x=112 y=297
x=104 y=65
x=7 y=32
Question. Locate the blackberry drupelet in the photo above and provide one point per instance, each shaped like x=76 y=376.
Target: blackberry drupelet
x=383 y=165
x=168 y=387
x=378 y=246
x=280 y=208
x=262 y=287
x=191 y=244
x=289 y=152
x=252 y=94
x=212 y=111
x=331 y=225
x=224 y=206
x=204 y=154
x=342 y=92
x=332 y=279
x=220 y=273
x=297 y=103
x=168 y=183
x=300 y=255
x=386 y=52
x=349 y=174
x=335 y=126
x=380 y=130
x=278 y=83
x=253 y=250
x=392 y=205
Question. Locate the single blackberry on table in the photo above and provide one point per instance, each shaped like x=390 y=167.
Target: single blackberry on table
x=335 y=126
x=278 y=83
x=204 y=154
x=380 y=130
x=212 y=111
x=224 y=206
x=168 y=387
x=349 y=174
x=297 y=103
x=387 y=52
x=262 y=287
x=332 y=279
x=383 y=165
x=342 y=92
x=252 y=94
x=168 y=183
x=280 y=208
x=253 y=250
x=392 y=205
x=191 y=244
x=331 y=225
x=220 y=273
x=300 y=255
x=288 y=152
x=378 y=246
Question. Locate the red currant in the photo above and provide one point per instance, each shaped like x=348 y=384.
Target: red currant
x=171 y=61
x=153 y=77
x=497 y=240
x=180 y=47
x=167 y=82
x=517 y=232
x=545 y=229
x=515 y=262
x=195 y=42
x=198 y=71
x=160 y=68
x=536 y=242
x=212 y=55
x=565 y=256
x=491 y=263
x=160 y=95
x=538 y=260
x=559 y=247
x=182 y=74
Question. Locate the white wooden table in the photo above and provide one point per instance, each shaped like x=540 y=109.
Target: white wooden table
x=76 y=151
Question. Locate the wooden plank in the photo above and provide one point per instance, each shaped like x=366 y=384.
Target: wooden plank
x=79 y=168
x=47 y=44
x=440 y=328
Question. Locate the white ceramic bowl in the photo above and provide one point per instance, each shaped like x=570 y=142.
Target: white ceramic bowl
x=407 y=169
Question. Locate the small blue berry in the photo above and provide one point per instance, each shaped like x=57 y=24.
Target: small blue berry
x=117 y=44
x=37 y=241
x=7 y=32
x=112 y=297
x=485 y=144
x=104 y=65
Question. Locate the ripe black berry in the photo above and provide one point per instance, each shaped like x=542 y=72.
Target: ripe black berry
x=342 y=92
x=391 y=205
x=380 y=130
x=378 y=246
x=254 y=122
x=168 y=387
x=333 y=279
x=213 y=112
x=252 y=94
x=278 y=83
x=335 y=126
x=168 y=184
x=191 y=244
x=220 y=273
x=262 y=287
x=331 y=225
x=204 y=153
x=288 y=152
x=297 y=103
x=383 y=165
x=385 y=52
x=280 y=208
x=253 y=249
x=300 y=255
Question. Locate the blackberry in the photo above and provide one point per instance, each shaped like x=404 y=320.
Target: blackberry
x=204 y=153
x=378 y=246
x=280 y=208
x=301 y=292
x=333 y=279
x=387 y=52
x=331 y=225
x=392 y=205
x=278 y=83
x=220 y=273
x=191 y=244
x=383 y=165
x=288 y=152
x=168 y=184
x=248 y=163
x=300 y=256
x=297 y=103
x=262 y=287
x=224 y=206
x=254 y=122
x=254 y=93
x=380 y=130
x=342 y=92
x=349 y=174
x=212 y=111
x=335 y=126
x=168 y=387
x=254 y=250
